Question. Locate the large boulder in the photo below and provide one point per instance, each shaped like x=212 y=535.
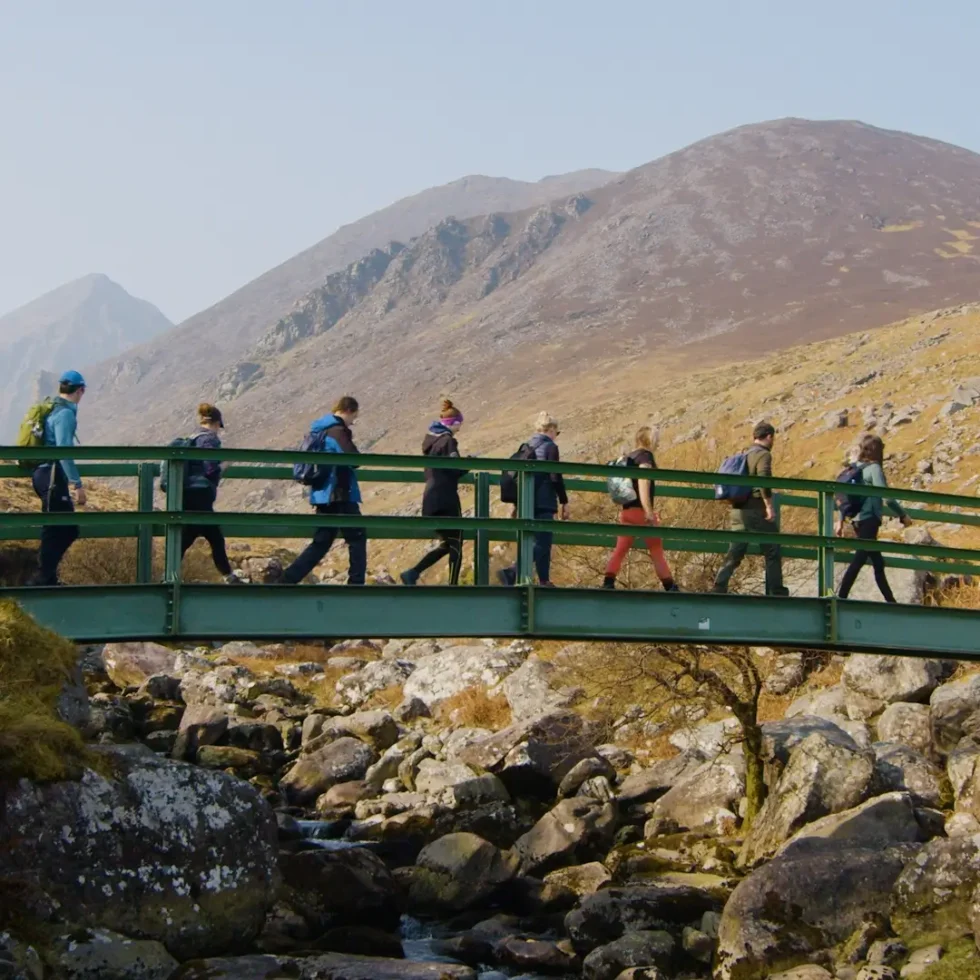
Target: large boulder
x=779 y=738
x=355 y=688
x=822 y=776
x=573 y=831
x=376 y=727
x=454 y=784
x=932 y=897
x=952 y=705
x=346 y=887
x=456 y=872
x=531 y=692
x=809 y=899
x=963 y=769
x=706 y=797
x=648 y=785
x=159 y=850
x=341 y=761
x=837 y=703
x=901 y=769
x=448 y=672
x=99 y=954
x=889 y=678
x=908 y=724
x=132 y=664
x=646 y=948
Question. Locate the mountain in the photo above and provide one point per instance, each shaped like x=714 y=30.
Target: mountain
x=77 y=323
x=763 y=237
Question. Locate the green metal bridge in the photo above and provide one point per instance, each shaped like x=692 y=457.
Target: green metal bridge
x=176 y=610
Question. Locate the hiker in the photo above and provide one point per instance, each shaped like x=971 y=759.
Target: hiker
x=201 y=481
x=867 y=522
x=441 y=495
x=756 y=514
x=336 y=492
x=550 y=498
x=51 y=481
x=638 y=512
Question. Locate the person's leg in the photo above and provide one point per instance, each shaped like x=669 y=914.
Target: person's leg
x=51 y=485
x=314 y=552
x=430 y=558
x=542 y=549
x=736 y=553
x=623 y=545
x=878 y=564
x=656 y=548
x=454 y=543
x=755 y=520
x=356 y=538
x=219 y=552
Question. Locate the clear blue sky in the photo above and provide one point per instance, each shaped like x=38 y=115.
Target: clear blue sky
x=183 y=147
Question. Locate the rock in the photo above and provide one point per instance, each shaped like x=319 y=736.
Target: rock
x=590 y=768
x=890 y=679
x=245 y=763
x=808 y=899
x=324 y=966
x=612 y=912
x=920 y=961
x=161 y=687
x=581 y=879
x=530 y=693
x=454 y=784
x=571 y=832
x=344 y=795
x=110 y=719
x=708 y=740
x=839 y=704
x=779 y=738
x=642 y=973
x=361 y=941
x=649 y=785
x=876 y=973
x=457 y=872
x=411 y=709
x=375 y=727
x=336 y=888
x=707 y=795
x=534 y=757
x=698 y=945
x=303 y=670
x=98 y=954
x=354 y=689
x=448 y=672
x=133 y=664
x=162 y=851
x=256 y=736
x=821 y=777
x=391 y=760
x=908 y=724
x=951 y=705
x=809 y=972
x=339 y=762
x=898 y=768
x=786 y=674
x=537 y=955
x=932 y=897
x=962 y=825
x=646 y=948
x=72 y=705
x=887 y=952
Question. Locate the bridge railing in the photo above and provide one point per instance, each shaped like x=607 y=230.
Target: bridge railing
x=144 y=464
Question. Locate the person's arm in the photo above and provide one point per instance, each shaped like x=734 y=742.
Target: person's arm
x=341 y=435
x=452 y=451
x=646 y=499
x=875 y=476
x=763 y=467
x=63 y=428
x=552 y=456
x=212 y=468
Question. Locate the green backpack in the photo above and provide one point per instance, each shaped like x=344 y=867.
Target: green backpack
x=31 y=432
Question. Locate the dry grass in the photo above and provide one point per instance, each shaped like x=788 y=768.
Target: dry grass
x=475 y=707
x=387 y=699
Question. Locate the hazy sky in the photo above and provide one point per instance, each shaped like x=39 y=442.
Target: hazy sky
x=183 y=147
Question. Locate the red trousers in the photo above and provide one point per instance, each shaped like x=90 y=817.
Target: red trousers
x=636 y=517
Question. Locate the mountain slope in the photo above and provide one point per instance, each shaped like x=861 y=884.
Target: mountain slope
x=73 y=325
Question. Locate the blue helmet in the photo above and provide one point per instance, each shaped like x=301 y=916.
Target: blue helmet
x=72 y=378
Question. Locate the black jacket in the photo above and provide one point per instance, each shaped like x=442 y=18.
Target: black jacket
x=441 y=496
x=549 y=488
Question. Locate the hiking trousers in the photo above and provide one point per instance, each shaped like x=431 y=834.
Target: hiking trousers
x=450 y=546
x=867 y=530
x=753 y=518
x=51 y=485
x=316 y=550
x=635 y=516
x=201 y=499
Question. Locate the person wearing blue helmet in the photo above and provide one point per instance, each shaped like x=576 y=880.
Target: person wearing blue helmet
x=54 y=482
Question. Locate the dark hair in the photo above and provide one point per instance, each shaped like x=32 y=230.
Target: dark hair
x=447 y=410
x=763 y=431
x=346 y=404
x=66 y=389
x=871 y=449
x=207 y=412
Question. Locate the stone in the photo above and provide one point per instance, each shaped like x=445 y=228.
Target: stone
x=779 y=738
x=322 y=966
x=709 y=739
x=458 y=871
x=809 y=899
x=707 y=795
x=162 y=850
x=839 y=704
x=110 y=719
x=908 y=724
x=72 y=704
x=898 y=768
x=378 y=728
x=890 y=679
x=245 y=763
x=355 y=688
x=646 y=948
x=876 y=973
x=697 y=945
x=306 y=669
x=344 y=795
x=530 y=692
x=341 y=761
x=99 y=954
x=822 y=776
x=448 y=672
x=920 y=961
x=362 y=941
x=537 y=955
x=572 y=831
x=786 y=673
x=132 y=664
x=608 y=914
x=411 y=709
x=256 y=736
x=648 y=785
x=642 y=973
x=583 y=771
x=581 y=879
x=161 y=687
x=340 y=888
x=391 y=760
x=932 y=897
x=808 y=972
x=887 y=952
x=454 y=784
x=951 y=705
x=962 y=825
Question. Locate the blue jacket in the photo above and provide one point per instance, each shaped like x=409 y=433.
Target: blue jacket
x=342 y=484
x=549 y=488
x=59 y=430
x=206 y=475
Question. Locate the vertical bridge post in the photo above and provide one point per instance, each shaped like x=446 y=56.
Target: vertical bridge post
x=481 y=547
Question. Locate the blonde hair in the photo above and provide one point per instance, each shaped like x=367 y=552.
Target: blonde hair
x=647 y=437
x=447 y=410
x=545 y=421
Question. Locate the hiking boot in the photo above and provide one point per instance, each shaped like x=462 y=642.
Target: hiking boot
x=609 y=582
x=410 y=577
x=232 y=579
x=507 y=576
x=547 y=585
x=673 y=587
x=783 y=592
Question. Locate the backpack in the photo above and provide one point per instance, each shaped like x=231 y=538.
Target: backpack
x=737 y=465
x=31 y=432
x=508 y=479
x=192 y=468
x=621 y=487
x=850 y=504
x=313 y=474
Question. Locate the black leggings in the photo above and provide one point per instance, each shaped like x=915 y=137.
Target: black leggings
x=451 y=546
x=202 y=499
x=867 y=530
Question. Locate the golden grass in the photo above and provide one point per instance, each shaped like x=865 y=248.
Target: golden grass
x=475 y=707
x=387 y=699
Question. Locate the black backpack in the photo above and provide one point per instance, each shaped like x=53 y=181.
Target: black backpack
x=192 y=468
x=850 y=504
x=508 y=479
